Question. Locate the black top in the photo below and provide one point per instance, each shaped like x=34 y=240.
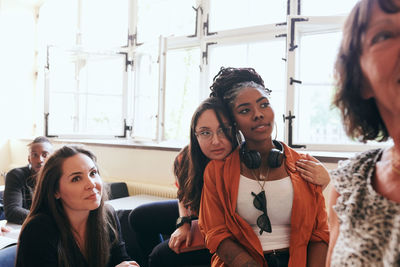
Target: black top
x=18 y=194
x=39 y=240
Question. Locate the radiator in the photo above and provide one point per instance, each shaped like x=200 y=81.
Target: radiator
x=152 y=189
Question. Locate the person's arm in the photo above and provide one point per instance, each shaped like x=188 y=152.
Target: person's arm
x=318 y=243
x=313 y=171
x=182 y=233
x=316 y=254
x=13 y=198
x=233 y=254
x=333 y=225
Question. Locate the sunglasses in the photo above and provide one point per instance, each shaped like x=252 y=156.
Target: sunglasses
x=260 y=203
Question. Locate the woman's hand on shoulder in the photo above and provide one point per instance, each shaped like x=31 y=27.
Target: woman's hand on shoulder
x=180 y=235
x=128 y=263
x=313 y=171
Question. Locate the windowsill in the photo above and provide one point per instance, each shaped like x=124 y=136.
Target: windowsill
x=323 y=156
x=123 y=143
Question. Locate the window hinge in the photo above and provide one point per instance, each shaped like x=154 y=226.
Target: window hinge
x=294 y=81
x=281 y=24
x=205 y=53
x=46 y=125
x=127 y=61
x=132 y=40
x=206 y=25
x=197 y=19
x=126 y=128
x=292 y=25
x=280 y=35
x=290 y=130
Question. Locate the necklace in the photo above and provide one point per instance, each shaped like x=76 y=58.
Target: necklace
x=257 y=178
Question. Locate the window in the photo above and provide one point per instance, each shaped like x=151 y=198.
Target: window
x=87 y=92
x=139 y=68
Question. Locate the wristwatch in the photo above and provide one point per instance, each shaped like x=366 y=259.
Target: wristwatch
x=182 y=220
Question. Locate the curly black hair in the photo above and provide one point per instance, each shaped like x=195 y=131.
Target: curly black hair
x=228 y=77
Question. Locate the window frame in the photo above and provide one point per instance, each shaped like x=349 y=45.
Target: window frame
x=202 y=38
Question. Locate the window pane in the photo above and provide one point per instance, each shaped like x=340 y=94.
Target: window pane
x=316 y=122
x=230 y=14
x=317 y=55
x=63 y=15
x=266 y=59
x=160 y=17
x=105 y=23
x=86 y=93
x=326 y=8
x=146 y=85
x=182 y=92
x=61 y=122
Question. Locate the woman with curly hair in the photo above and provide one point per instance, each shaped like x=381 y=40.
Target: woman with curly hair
x=255 y=208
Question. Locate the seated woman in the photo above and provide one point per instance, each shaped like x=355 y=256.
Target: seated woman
x=255 y=209
x=69 y=224
x=211 y=138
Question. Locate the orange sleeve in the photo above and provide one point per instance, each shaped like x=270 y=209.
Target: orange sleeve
x=212 y=210
x=321 y=229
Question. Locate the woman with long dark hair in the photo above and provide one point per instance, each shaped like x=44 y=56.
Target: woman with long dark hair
x=69 y=224
x=210 y=137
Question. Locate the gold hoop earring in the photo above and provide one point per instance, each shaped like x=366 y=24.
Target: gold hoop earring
x=239 y=137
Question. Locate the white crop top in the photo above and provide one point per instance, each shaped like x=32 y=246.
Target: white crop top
x=279 y=194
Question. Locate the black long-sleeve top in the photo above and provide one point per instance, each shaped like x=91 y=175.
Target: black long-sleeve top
x=38 y=245
x=18 y=194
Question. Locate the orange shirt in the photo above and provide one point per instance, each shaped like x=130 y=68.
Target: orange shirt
x=218 y=219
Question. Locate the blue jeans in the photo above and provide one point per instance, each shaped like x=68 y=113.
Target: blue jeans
x=8 y=256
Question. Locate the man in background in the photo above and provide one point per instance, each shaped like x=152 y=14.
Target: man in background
x=20 y=182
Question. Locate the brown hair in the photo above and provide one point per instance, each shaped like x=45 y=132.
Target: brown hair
x=360 y=116
x=100 y=221
x=191 y=162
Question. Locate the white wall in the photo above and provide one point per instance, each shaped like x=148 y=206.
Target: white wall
x=116 y=163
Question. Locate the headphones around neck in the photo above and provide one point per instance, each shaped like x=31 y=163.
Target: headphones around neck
x=252 y=158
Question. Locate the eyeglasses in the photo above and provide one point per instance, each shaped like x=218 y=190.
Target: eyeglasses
x=260 y=203
x=207 y=135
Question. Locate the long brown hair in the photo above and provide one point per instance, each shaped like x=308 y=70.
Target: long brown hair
x=99 y=224
x=360 y=116
x=190 y=163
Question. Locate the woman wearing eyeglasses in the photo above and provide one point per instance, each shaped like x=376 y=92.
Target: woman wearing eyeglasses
x=255 y=209
x=211 y=138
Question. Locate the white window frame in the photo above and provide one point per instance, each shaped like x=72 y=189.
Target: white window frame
x=234 y=36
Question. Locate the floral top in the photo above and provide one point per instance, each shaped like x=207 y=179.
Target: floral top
x=369 y=233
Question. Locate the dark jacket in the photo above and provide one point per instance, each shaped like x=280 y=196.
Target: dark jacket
x=18 y=194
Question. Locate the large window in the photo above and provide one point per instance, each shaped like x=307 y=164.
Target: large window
x=139 y=68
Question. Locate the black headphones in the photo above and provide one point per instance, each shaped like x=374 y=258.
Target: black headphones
x=252 y=158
